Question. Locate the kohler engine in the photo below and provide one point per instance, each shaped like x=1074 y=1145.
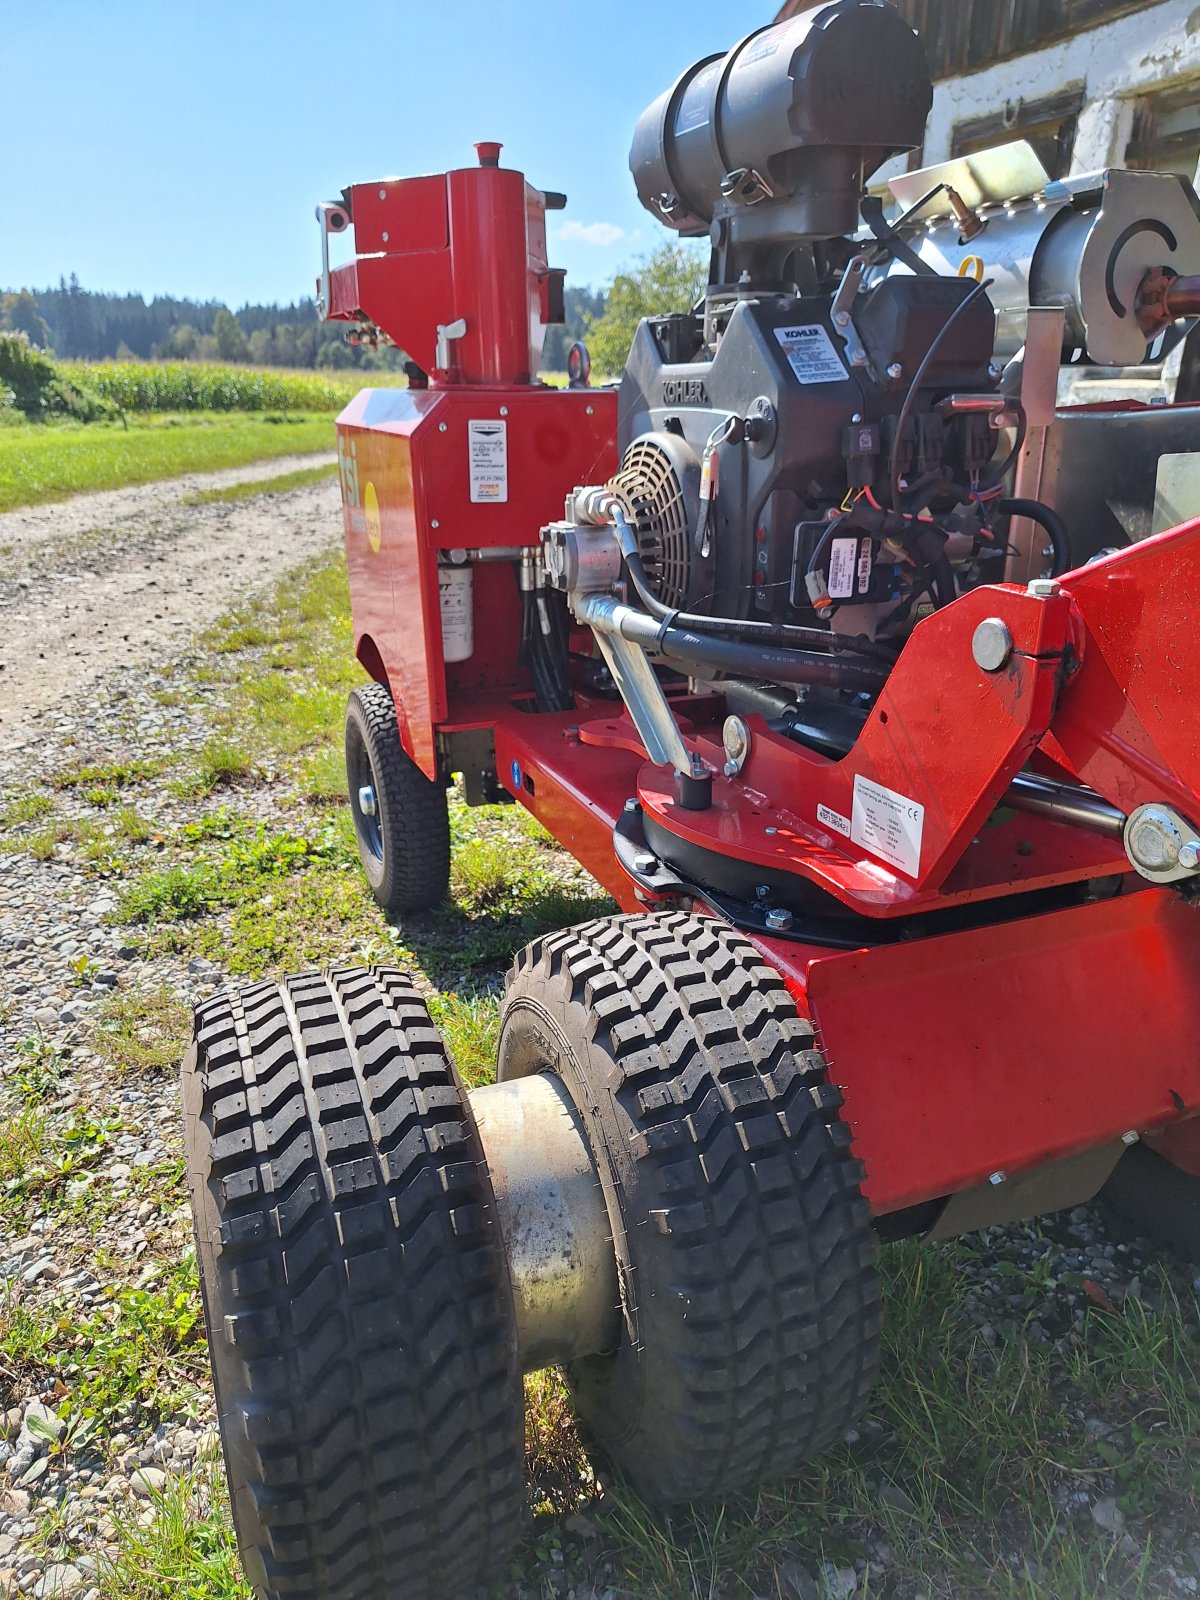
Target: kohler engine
x=819 y=453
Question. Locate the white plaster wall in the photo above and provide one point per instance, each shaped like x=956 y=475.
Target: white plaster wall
x=1152 y=48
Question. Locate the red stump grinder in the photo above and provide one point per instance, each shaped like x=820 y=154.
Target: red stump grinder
x=857 y=668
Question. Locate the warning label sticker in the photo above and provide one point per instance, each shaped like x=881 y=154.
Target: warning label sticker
x=828 y=818
x=487 y=455
x=811 y=354
x=888 y=824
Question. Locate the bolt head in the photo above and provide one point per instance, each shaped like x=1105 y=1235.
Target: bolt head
x=841 y=319
x=632 y=807
x=366 y=800
x=995 y=370
x=441 y=427
x=645 y=863
x=779 y=921
x=1189 y=856
x=1043 y=588
x=997 y=1178
x=1153 y=841
x=771 y=832
x=731 y=769
x=896 y=370
x=992 y=644
x=1131 y=1137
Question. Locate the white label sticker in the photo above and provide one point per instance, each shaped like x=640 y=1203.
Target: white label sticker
x=888 y=824
x=834 y=820
x=843 y=557
x=811 y=354
x=487 y=454
x=865 y=565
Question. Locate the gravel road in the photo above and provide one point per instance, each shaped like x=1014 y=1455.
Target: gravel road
x=125 y=577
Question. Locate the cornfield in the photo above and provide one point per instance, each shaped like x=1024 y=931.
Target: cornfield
x=201 y=386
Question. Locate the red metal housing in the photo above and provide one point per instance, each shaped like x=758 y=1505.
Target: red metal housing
x=1026 y=1037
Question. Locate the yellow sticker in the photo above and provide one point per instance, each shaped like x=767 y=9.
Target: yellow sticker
x=374 y=520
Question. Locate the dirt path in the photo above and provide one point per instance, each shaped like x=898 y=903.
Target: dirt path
x=127 y=576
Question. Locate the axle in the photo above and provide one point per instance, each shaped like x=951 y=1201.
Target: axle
x=553 y=1220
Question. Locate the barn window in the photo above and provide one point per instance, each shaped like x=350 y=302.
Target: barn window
x=1048 y=123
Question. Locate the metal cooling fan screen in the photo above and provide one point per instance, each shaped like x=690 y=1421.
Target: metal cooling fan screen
x=655 y=507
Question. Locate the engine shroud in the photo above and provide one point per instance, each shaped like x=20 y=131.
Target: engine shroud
x=781 y=362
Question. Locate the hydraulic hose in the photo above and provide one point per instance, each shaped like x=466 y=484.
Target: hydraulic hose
x=727 y=655
x=785 y=636
x=1050 y=522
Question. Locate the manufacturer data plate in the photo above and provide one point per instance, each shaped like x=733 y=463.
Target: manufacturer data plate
x=487 y=457
x=811 y=354
x=888 y=824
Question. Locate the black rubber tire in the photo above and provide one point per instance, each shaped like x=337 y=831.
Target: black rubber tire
x=405 y=847
x=360 y=1318
x=746 y=1257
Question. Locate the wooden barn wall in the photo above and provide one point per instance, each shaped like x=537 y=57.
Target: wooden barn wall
x=964 y=35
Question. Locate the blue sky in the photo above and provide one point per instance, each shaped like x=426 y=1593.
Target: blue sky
x=179 y=146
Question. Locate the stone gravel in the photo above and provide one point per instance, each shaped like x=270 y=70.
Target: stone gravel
x=59 y=1506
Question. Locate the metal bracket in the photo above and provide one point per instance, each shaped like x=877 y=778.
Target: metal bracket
x=840 y=311
x=333 y=218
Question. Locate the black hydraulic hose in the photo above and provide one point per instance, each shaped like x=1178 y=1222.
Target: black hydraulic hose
x=771 y=666
x=918 y=380
x=1052 y=524
x=749 y=661
x=786 y=636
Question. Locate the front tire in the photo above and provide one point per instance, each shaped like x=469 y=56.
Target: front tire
x=749 y=1299
x=359 y=1314
x=401 y=820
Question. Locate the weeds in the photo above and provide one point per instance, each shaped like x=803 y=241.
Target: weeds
x=143 y=1031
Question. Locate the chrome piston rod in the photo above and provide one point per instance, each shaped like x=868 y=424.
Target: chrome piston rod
x=1065 y=802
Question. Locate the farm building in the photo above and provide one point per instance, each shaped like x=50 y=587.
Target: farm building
x=1090 y=83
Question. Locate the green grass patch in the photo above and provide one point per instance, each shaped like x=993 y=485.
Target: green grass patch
x=26 y=808
x=143 y=1030
x=185 y=1548
x=285 y=481
x=41 y=462
x=108 y=775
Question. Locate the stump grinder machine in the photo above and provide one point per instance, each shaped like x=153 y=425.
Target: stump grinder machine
x=859 y=671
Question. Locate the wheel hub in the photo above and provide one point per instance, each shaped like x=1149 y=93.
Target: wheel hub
x=553 y=1220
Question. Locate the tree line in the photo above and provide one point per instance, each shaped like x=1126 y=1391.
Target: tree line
x=85 y=325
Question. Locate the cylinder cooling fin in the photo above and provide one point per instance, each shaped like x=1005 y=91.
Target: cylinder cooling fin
x=657 y=483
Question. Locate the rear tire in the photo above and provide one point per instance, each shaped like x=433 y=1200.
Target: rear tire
x=360 y=1319
x=745 y=1254
x=404 y=842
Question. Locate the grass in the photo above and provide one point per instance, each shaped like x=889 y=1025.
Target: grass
x=1005 y=1390
x=300 y=479
x=45 y=462
x=143 y=1031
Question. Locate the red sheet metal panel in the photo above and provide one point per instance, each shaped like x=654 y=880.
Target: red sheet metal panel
x=1001 y=1049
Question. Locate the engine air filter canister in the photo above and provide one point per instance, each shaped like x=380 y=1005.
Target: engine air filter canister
x=788 y=121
